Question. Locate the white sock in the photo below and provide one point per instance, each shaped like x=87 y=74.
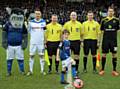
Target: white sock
x=69 y=74
x=31 y=62
x=42 y=63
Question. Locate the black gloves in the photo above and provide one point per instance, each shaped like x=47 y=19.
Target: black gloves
x=4 y=40
x=24 y=41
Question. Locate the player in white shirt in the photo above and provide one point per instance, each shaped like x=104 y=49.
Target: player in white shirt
x=36 y=29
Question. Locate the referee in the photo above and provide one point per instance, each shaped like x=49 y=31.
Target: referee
x=91 y=35
x=109 y=27
x=53 y=37
x=74 y=27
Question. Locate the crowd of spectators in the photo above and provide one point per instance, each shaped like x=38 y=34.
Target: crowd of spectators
x=61 y=8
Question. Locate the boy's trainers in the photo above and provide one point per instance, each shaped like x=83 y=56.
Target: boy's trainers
x=29 y=73
x=64 y=82
x=8 y=74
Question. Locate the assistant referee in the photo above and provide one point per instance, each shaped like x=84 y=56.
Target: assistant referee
x=53 y=37
x=91 y=35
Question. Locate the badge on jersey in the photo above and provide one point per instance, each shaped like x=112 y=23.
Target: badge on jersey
x=93 y=28
x=109 y=26
x=77 y=29
x=115 y=49
x=43 y=24
x=114 y=21
x=58 y=31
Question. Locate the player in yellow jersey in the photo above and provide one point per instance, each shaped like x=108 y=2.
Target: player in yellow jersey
x=53 y=37
x=74 y=27
x=91 y=34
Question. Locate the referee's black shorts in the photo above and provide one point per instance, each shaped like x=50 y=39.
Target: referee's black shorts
x=52 y=47
x=75 y=46
x=90 y=45
x=109 y=45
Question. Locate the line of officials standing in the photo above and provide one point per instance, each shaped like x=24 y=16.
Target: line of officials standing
x=89 y=34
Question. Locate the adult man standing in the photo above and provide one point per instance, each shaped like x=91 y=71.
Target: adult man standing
x=53 y=37
x=91 y=34
x=74 y=27
x=109 y=27
x=36 y=28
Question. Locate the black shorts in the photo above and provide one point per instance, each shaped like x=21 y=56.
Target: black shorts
x=90 y=45
x=109 y=45
x=52 y=47
x=75 y=47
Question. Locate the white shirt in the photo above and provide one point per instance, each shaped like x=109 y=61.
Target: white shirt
x=36 y=29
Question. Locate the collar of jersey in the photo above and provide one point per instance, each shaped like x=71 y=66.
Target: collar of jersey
x=65 y=40
x=35 y=21
x=90 y=21
x=72 y=22
x=54 y=24
x=110 y=18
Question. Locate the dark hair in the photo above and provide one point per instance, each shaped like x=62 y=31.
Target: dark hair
x=90 y=11
x=54 y=14
x=110 y=7
x=37 y=9
x=65 y=31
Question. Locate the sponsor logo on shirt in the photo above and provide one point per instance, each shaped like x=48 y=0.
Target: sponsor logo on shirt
x=110 y=29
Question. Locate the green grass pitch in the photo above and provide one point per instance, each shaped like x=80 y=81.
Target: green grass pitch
x=38 y=81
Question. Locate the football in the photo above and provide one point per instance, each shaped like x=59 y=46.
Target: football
x=78 y=83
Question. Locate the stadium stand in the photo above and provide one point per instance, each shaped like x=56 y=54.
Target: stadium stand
x=61 y=8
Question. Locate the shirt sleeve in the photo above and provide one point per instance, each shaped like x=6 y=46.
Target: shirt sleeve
x=61 y=28
x=98 y=28
x=102 y=25
x=44 y=25
x=118 y=24
x=24 y=29
x=5 y=27
x=60 y=45
x=46 y=31
x=29 y=27
x=82 y=28
x=65 y=26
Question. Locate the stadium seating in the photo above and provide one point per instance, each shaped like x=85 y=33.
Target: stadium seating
x=59 y=7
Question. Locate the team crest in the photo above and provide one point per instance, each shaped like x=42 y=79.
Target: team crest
x=115 y=49
x=94 y=28
x=114 y=21
x=77 y=29
x=58 y=31
x=109 y=26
